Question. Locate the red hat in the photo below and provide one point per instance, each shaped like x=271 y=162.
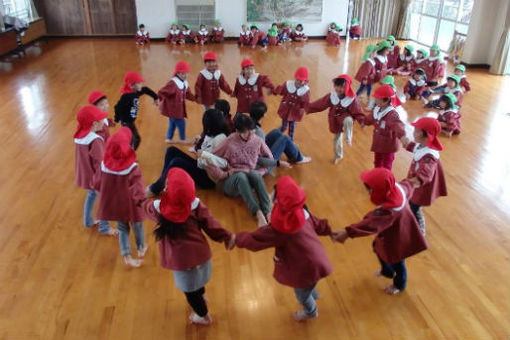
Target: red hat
x=96 y=96
x=395 y=101
x=301 y=74
x=210 y=56
x=118 y=154
x=384 y=192
x=247 y=62
x=384 y=91
x=129 y=79
x=182 y=67
x=86 y=117
x=180 y=193
x=348 y=81
x=432 y=127
x=287 y=215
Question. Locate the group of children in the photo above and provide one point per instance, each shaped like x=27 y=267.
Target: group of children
x=106 y=166
x=185 y=35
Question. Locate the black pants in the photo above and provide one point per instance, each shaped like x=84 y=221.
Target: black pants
x=197 y=302
x=136 y=139
x=396 y=271
x=418 y=213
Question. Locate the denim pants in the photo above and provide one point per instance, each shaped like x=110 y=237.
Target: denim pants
x=180 y=124
x=362 y=88
x=123 y=227
x=396 y=271
x=88 y=210
x=242 y=183
x=282 y=144
x=306 y=297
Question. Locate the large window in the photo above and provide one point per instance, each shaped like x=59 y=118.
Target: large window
x=435 y=21
x=23 y=9
x=195 y=12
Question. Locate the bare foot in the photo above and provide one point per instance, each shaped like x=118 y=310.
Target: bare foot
x=111 y=232
x=261 y=219
x=131 y=262
x=391 y=290
x=141 y=252
x=336 y=160
x=301 y=316
x=199 y=320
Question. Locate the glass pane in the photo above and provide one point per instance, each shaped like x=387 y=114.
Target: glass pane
x=417 y=6
x=415 y=25
x=462 y=28
x=432 y=7
x=445 y=34
x=467 y=8
x=427 y=29
x=450 y=9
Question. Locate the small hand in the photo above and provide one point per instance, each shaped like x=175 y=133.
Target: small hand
x=231 y=243
x=156 y=102
x=285 y=165
x=405 y=141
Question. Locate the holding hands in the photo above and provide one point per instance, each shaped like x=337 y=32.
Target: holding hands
x=339 y=236
x=230 y=244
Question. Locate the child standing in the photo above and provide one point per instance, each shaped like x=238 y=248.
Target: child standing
x=449 y=116
x=416 y=85
x=122 y=191
x=296 y=97
x=366 y=72
x=173 y=34
x=300 y=258
x=88 y=156
x=344 y=108
x=393 y=55
x=258 y=37
x=388 y=128
x=209 y=82
x=426 y=167
x=406 y=61
x=126 y=109
x=355 y=31
x=397 y=233
x=172 y=101
x=142 y=36
x=299 y=34
x=333 y=35
x=99 y=100
x=249 y=86
x=244 y=36
x=460 y=71
x=218 y=33
x=202 y=35
x=182 y=221
x=187 y=36
x=381 y=60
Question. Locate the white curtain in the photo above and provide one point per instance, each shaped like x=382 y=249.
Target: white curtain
x=378 y=18
x=501 y=62
x=404 y=20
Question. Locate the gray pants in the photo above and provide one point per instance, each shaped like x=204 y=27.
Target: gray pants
x=307 y=297
x=242 y=183
x=338 y=146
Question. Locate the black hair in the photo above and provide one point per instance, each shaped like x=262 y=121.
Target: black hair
x=169 y=229
x=253 y=27
x=98 y=100
x=257 y=111
x=446 y=99
x=214 y=123
x=242 y=122
x=339 y=82
x=274 y=23
x=223 y=106
x=408 y=53
x=299 y=25
x=381 y=51
x=420 y=72
x=141 y=26
x=202 y=25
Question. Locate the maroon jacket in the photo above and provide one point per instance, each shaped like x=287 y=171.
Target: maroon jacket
x=217 y=35
x=300 y=258
x=245 y=38
x=356 y=30
x=208 y=85
x=294 y=102
x=87 y=162
x=452 y=120
x=332 y=37
x=465 y=83
x=388 y=129
x=366 y=72
x=172 y=98
x=250 y=90
x=381 y=68
x=393 y=57
x=339 y=109
x=258 y=36
x=432 y=68
x=420 y=86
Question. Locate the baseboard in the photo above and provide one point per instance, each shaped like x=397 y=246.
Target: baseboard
x=98 y=36
x=482 y=66
x=315 y=37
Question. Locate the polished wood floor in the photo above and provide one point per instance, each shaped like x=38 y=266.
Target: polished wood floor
x=62 y=281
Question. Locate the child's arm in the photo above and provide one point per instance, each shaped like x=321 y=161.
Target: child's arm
x=136 y=186
x=426 y=169
x=224 y=85
x=374 y=222
x=96 y=153
x=148 y=91
x=150 y=210
x=189 y=95
x=407 y=87
x=396 y=125
x=264 y=150
x=210 y=225
x=321 y=226
x=198 y=88
x=260 y=239
x=266 y=82
x=319 y=105
x=167 y=91
x=465 y=83
x=236 y=89
x=357 y=112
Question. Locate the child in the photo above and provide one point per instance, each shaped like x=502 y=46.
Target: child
x=416 y=85
x=460 y=71
x=187 y=36
x=258 y=37
x=142 y=36
x=172 y=103
x=421 y=59
x=285 y=35
x=381 y=60
x=99 y=100
x=333 y=35
x=397 y=233
x=344 y=108
x=388 y=128
x=406 y=61
x=122 y=190
x=393 y=55
x=366 y=72
x=202 y=36
x=300 y=258
x=245 y=36
x=126 y=109
x=249 y=86
x=452 y=86
x=355 y=31
x=434 y=67
x=209 y=82
x=396 y=100
x=298 y=34
x=426 y=167
x=224 y=107
x=182 y=219
x=218 y=33
x=174 y=34
x=296 y=97
x=88 y=156
x=449 y=116
x=272 y=36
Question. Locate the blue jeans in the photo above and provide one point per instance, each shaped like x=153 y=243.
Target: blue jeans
x=396 y=271
x=362 y=88
x=179 y=124
x=123 y=227
x=88 y=209
x=280 y=144
x=306 y=297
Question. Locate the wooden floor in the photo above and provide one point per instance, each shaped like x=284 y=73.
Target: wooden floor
x=59 y=280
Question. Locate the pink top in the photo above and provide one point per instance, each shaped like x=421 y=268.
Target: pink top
x=87 y=161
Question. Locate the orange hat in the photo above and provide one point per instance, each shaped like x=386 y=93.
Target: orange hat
x=384 y=91
x=118 y=154
x=287 y=215
x=182 y=67
x=176 y=201
x=247 y=62
x=301 y=74
x=348 y=81
x=129 y=79
x=96 y=96
x=432 y=127
x=210 y=56
x=86 y=117
x=384 y=191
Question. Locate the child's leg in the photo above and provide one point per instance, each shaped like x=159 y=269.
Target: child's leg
x=292 y=127
x=388 y=159
x=139 y=232
x=387 y=270
x=136 y=139
x=418 y=213
x=305 y=298
x=284 y=125
x=369 y=89
x=171 y=129
x=125 y=247
x=197 y=302
x=281 y=144
x=181 y=125
x=400 y=279
x=347 y=127
x=338 y=146
x=88 y=208
x=257 y=183
x=239 y=185
x=360 y=90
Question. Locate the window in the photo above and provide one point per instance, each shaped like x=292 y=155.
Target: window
x=435 y=21
x=195 y=13
x=22 y=9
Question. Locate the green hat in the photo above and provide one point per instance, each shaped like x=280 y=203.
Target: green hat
x=369 y=50
x=388 y=80
x=273 y=32
x=286 y=23
x=435 y=47
x=174 y=24
x=410 y=48
x=424 y=52
x=391 y=38
x=339 y=28
x=455 y=78
x=354 y=21
x=383 y=44
x=186 y=25
x=217 y=21
x=452 y=100
x=461 y=68
x=420 y=71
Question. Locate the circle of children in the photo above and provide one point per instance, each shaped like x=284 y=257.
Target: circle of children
x=234 y=155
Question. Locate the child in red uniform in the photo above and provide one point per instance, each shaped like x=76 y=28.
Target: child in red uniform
x=366 y=72
x=173 y=34
x=355 y=31
x=218 y=33
x=244 y=36
x=426 y=167
x=421 y=59
x=300 y=258
x=298 y=34
x=122 y=190
x=182 y=221
x=333 y=35
x=452 y=86
x=172 y=101
x=286 y=32
x=142 y=36
x=249 y=86
x=296 y=97
x=272 y=36
x=393 y=55
x=209 y=82
x=397 y=233
x=381 y=60
x=388 y=128
x=449 y=116
x=406 y=62
x=99 y=100
x=344 y=108
x=186 y=35
x=434 y=67
x=89 y=153
x=202 y=35
x=416 y=85
x=460 y=71
x=258 y=37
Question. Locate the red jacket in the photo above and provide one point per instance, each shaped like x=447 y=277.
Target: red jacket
x=398 y=234
x=339 y=109
x=381 y=67
x=294 y=102
x=366 y=72
x=393 y=57
x=217 y=34
x=245 y=38
x=172 y=98
x=432 y=68
x=298 y=36
x=251 y=90
x=407 y=63
x=333 y=37
x=452 y=120
x=419 y=86
x=142 y=38
x=208 y=85
x=300 y=258
x=356 y=30
x=420 y=63
x=183 y=35
x=87 y=162
x=465 y=84
x=258 y=36
x=202 y=36
x=388 y=129
x=173 y=36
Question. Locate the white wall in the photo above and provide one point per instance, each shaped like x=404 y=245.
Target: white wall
x=158 y=14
